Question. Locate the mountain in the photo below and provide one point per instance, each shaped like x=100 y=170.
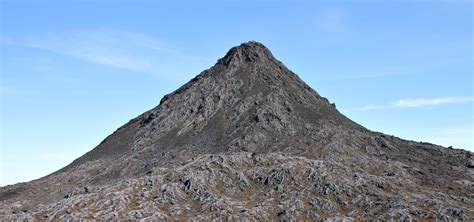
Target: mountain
x=248 y=139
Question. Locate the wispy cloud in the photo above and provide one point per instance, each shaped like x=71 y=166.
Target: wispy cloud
x=405 y=103
x=116 y=48
x=420 y=102
x=371 y=107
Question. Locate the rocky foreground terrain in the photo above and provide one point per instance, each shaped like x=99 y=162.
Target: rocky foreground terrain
x=248 y=140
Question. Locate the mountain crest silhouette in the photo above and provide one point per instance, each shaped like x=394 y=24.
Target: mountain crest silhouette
x=248 y=139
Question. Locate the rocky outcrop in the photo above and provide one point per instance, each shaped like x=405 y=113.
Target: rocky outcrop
x=247 y=139
x=253 y=186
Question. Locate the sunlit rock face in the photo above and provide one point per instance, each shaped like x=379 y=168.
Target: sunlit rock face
x=247 y=139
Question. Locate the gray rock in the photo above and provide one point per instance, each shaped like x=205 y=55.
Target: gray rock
x=248 y=140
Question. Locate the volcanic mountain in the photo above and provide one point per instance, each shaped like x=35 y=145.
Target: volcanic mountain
x=248 y=139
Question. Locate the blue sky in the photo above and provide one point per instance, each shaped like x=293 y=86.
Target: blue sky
x=72 y=73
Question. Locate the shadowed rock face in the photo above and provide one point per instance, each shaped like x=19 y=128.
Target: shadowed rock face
x=247 y=139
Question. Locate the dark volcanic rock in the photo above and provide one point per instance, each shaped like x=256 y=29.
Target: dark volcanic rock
x=247 y=139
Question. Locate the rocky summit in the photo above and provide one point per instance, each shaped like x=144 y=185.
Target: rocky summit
x=247 y=139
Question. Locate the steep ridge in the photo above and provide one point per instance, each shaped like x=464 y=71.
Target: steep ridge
x=245 y=85
x=248 y=139
x=248 y=101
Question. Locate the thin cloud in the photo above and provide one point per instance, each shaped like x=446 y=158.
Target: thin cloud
x=407 y=103
x=372 y=107
x=420 y=102
x=115 y=48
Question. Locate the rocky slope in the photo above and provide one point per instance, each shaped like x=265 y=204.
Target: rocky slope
x=247 y=139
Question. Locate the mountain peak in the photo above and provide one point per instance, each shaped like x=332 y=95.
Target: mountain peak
x=248 y=52
x=247 y=139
